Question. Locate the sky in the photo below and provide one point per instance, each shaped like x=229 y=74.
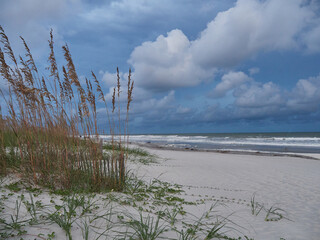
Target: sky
x=199 y=66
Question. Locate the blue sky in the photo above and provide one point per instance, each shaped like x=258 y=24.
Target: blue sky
x=198 y=66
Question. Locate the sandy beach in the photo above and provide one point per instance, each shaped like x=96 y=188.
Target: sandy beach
x=218 y=184
x=290 y=183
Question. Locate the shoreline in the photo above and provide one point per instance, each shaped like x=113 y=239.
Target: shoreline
x=309 y=156
x=307 y=144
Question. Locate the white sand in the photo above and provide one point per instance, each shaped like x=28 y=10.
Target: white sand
x=293 y=184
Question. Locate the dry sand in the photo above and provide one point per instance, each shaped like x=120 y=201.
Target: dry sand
x=289 y=183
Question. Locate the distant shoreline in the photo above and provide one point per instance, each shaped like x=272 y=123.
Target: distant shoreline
x=280 y=143
x=240 y=152
x=223 y=133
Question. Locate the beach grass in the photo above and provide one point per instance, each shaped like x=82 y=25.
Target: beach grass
x=44 y=117
x=255 y=206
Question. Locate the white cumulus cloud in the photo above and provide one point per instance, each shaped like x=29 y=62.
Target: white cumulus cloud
x=166 y=63
x=233 y=36
x=306 y=94
x=228 y=82
x=254 y=99
x=257 y=95
x=251 y=26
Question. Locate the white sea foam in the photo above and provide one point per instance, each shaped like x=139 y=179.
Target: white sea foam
x=232 y=141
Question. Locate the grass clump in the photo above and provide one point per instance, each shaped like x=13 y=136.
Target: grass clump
x=273 y=213
x=66 y=214
x=145 y=228
x=255 y=206
x=45 y=117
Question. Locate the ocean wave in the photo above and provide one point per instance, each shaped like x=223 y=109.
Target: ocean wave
x=227 y=141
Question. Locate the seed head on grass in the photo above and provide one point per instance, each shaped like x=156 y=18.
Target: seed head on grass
x=114 y=100
x=30 y=60
x=7 y=47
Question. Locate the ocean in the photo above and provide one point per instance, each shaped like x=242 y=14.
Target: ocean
x=294 y=142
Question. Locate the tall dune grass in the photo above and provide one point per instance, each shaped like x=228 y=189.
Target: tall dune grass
x=45 y=117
